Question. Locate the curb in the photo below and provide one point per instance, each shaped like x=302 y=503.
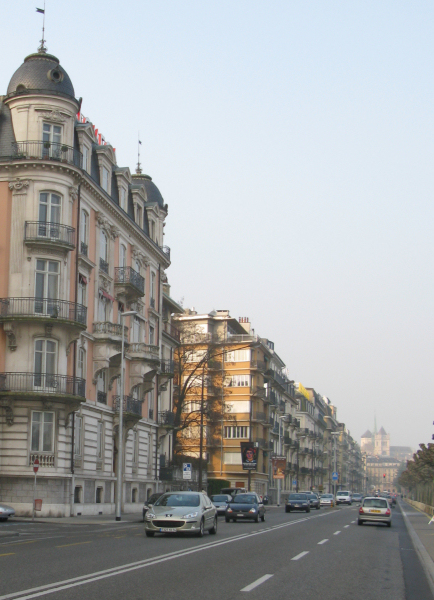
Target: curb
x=425 y=558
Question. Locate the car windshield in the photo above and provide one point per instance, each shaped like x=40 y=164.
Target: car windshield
x=243 y=499
x=343 y=494
x=219 y=498
x=327 y=496
x=313 y=496
x=297 y=497
x=153 y=498
x=179 y=500
x=375 y=503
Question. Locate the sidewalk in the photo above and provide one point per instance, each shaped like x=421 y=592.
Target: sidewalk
x=422 y=535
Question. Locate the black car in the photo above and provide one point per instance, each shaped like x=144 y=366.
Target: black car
x=245 y=506
x=297 y=502
x=313 y=499
x=151 y=500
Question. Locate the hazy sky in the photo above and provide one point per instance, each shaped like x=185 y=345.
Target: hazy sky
x=293 y=143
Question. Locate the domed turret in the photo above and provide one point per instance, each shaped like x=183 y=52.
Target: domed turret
x=41 y=73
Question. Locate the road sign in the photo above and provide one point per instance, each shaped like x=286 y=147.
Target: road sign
x=294 y=482
x=35 y=465
x=335 y=476
x=186 y=470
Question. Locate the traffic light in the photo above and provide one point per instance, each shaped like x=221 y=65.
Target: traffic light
x=384 y=475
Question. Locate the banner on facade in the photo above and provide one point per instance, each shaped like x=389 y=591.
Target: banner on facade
x=279 y=466
x=249 y=456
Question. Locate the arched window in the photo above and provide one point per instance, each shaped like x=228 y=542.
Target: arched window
x=84 y=232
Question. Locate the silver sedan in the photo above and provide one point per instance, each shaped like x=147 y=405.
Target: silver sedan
x=6 y=512
x=375 y=510
x=181 y=512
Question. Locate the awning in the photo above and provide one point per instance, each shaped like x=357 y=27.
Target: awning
x=104 y=293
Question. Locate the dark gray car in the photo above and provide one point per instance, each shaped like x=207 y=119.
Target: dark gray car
x=245 y=506
x=297 y=501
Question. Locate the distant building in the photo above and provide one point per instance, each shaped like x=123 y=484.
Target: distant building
x=375 y=443
x=402 y=453
x=382 y=472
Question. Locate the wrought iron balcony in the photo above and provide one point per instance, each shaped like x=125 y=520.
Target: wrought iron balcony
x=167 y=367
x=130 y=405
x=110 y=331
x=130 y=279
x=43 y=233
x=172 y=331
x=166 y=251
x=103 y=265
x=36 y=150
x=24 y=309
x=166 y=418
x=42 y=384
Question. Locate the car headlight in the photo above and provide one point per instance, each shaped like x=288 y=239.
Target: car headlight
x=252 y=510
x=150 y=515
x=191 y=515
x=229 y=509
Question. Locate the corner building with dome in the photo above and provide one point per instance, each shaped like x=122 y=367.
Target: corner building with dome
x=81 y=242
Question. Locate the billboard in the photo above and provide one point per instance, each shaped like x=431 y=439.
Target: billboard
x=249 y=456
x=279 y=466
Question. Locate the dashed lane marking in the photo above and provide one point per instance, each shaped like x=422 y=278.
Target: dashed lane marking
x=8 y=554
x=255 y=584
x=322 y=542
x=75 y=544
x=336 y=533
x=300 y=555
x=345 y=526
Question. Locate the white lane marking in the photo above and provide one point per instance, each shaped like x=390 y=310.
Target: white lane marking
x=96 y=576
x=300 y=555
x=322 y=542
x=345 y=526
x=352 y=521
x=252 y=586
x=336 y=533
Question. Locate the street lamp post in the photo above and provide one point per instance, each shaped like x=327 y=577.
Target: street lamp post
x=121 y=415
x=280 y=454
x=334 y=434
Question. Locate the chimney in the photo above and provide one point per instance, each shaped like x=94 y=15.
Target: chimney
x=245 y=323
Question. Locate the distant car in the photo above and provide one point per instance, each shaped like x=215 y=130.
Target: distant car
x=265 y=500
x=6 y=512
x=313 y=499
x=221 y=502
x=245 y=506
x=375 y=509
x=297 y=502
x=181 y=512
x=343 y=497
x=357 y=497
x=327 y=500
x=151 y=500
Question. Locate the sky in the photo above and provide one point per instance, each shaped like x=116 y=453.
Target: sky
x=293 y=143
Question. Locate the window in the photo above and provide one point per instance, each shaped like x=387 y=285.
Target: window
x=122 y=256
x=123 y=199
x=242 y=406
x=82 y=290
x=100 y=440
x=105 y=179
x=84 y=232
x=152 y=230
x=236 y=431
x=135 y=447
x=103 y=309
x=52 y=139
x=42 y=431
x=46 y=286
x=45 y=364
x=239 y=381
x=232 y=458
x=103 y=247
x=101 y=387
x=134 y=495
x=136 y=330
x=153 y=289
x=78 y=435
x=151 y=335
x=98 y=497
x=196 y=355
x=85 y=151
x=49 y=212
x=81 y=363
x=78 y=491
x=238 y=355
x=139 y=219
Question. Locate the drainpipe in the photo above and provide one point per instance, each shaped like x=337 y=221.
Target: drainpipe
x=74 y=358
x=156 y=436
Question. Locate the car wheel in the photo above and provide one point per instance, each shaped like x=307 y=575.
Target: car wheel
x=213 y=529
x=201 y=529
x=150 y=533
x=227 y=520
x=307 y=510
x=287 y=509
x=359 y=522
x=389 y=524
x=317 y=507
x=234 y=520
x=256 y=519
x=263 y=518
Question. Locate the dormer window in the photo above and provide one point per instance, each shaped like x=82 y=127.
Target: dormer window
x=139 y=216
x=85 y=151
x=105 y=179
x=123 y=199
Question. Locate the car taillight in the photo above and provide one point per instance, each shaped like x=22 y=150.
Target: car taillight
x=361 y=511
x=388 y=512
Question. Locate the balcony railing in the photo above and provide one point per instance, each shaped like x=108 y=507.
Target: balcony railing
x=83 y=248
x=103 y=265
x=110 y=330
x=130 y=405
x=166 y=418
x=259 y=416
x=46 y=459
x=277 y=377
x=145 y=350
x=51 y=233
x=47 y=151
x=127 y=275
x=172 y=331
x=24 y=308
x=167 y=367
x=259 y=365
x=42 y=383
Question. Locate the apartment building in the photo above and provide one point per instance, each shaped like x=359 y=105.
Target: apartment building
x=81 y=242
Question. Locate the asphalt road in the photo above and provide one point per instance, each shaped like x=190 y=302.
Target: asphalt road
x=323 y=554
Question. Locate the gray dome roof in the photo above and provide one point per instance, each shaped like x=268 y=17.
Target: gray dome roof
x=153 y=194
x=41 y=73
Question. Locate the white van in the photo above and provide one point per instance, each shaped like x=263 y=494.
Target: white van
x=343 y=498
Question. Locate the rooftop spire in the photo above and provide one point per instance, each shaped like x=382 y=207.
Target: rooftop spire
x=139 y=166
x=42 y=48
